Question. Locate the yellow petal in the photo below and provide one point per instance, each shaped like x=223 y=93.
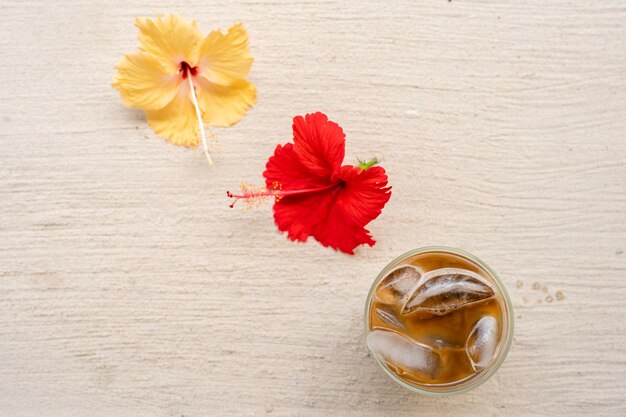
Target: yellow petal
x=177 y=121
x=225 y=59
x=170 y=39
x=223 y=106
x=143 y=82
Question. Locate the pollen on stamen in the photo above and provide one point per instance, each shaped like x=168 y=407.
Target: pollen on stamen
x=277 y=187
x=252 y=195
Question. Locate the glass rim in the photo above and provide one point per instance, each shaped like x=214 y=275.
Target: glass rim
x=505 y=342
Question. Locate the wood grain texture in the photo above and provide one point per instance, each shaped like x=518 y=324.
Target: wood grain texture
x=128 y=288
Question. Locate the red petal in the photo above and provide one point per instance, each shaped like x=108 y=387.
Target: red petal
x=365 y=193
x=360 y=201
x=286 y=169
x=337 y=217
x=339 y=231
x=299 y=214
x=319 y=143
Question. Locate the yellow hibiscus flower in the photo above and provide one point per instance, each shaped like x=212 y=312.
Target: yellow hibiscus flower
x=182 y=79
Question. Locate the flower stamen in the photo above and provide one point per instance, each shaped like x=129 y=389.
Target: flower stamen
x=194 y=100
x=254 y=196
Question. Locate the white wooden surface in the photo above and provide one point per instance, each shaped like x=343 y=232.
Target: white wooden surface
x=128 y=288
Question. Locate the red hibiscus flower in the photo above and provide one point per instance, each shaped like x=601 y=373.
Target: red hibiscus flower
x=314 y=194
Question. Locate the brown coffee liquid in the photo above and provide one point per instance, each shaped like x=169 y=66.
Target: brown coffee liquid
x=446 y=334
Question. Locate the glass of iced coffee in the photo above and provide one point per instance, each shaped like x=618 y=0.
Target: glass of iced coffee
x=438 y=321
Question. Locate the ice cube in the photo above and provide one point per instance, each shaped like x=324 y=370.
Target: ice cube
x=402 y=354
x=396 y=286
x=388 y=316
x=482 y=342
x=444 y=290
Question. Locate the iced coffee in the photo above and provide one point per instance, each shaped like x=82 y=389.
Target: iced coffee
x=438 y=320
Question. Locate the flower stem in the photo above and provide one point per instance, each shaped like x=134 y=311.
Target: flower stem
x=367 y=164
x=194 y=100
